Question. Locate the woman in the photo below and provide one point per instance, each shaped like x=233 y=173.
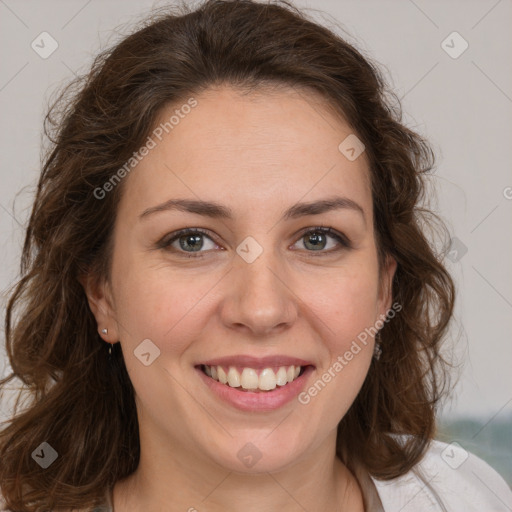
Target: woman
x=270 y=347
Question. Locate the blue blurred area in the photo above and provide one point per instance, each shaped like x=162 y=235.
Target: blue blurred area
x=489 y=439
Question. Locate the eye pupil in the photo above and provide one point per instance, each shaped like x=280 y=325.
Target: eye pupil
x=316 y=237
x=197 y=239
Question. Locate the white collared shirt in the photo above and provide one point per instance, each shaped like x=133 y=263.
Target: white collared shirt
x=447 y=479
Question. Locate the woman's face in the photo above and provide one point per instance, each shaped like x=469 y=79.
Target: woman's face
x=256 y=292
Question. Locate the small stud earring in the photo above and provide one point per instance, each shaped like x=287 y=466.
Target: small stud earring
x=104 y=331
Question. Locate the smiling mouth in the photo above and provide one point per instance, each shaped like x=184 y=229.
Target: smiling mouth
x=253 y=380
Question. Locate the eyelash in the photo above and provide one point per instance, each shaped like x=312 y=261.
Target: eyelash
x=166 y=242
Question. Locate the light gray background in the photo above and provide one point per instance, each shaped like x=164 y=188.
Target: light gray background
x=463 y=106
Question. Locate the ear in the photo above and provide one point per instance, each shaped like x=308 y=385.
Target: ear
x=386 y=285
x=100 y=301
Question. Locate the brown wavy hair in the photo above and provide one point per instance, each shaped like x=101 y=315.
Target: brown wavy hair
x=81 y=402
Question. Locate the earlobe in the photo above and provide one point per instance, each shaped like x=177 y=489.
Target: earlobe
x=99 y=299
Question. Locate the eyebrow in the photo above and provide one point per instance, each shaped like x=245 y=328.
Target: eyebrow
x=215 y=210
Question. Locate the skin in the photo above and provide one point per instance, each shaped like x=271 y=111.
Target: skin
x=258 y=154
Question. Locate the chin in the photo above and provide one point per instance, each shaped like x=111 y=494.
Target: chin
x=260 y=453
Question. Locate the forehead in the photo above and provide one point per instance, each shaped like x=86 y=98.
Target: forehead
x=265 y=147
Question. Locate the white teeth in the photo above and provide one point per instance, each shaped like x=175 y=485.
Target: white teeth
x=233 y=378
x=221 y=375
x=249 y=379
x=281 y=377
x=268 y=379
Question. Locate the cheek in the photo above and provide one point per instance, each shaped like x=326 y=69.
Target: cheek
x=345 y=301
x=346 y=308
x=169 y=306
x=154 y=307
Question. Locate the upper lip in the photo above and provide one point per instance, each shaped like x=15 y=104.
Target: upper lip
x=247 y=361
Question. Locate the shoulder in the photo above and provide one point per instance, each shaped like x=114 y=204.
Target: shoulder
x=448 y=478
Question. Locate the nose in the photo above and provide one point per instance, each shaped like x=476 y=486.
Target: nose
x=259 y=299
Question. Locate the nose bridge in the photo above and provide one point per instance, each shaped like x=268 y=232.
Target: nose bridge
x=260 y=298
x=261 y=277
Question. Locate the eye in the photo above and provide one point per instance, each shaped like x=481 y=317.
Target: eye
x=191 y=240
x=316 y=239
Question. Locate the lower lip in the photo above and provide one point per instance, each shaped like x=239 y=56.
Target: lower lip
x=262 y=401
